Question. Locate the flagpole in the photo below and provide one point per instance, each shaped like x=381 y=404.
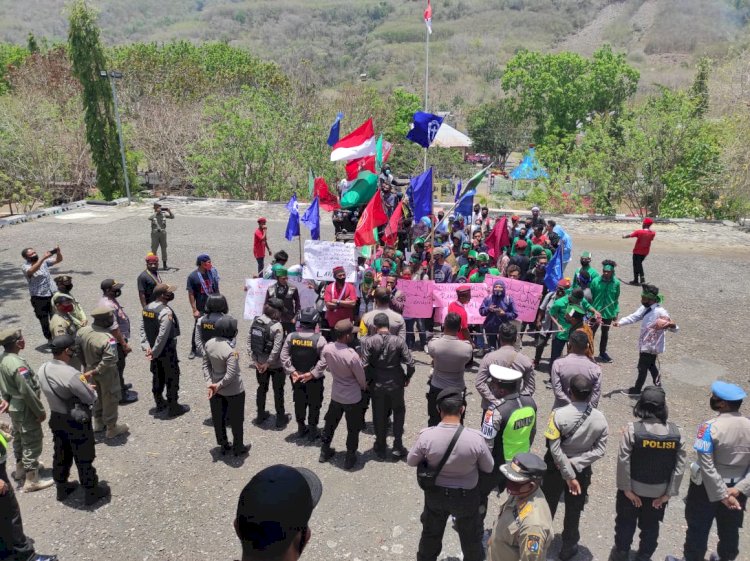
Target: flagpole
x=426 y=82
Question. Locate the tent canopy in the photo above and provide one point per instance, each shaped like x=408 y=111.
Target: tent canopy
x=529 y=168
x=448 y=137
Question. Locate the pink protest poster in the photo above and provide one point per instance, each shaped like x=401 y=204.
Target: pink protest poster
x=526 y=296
x=418 y=295
x=443 y=294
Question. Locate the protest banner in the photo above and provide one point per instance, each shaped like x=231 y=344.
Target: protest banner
x=321 y=257
x=255 y=296
x=526 y=296
x=307 y=294
x=445 y=293
x=418 y=297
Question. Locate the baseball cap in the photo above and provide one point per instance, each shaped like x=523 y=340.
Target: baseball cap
x=653 y=395
x=277 y=501
x=62 y=342
x=63 y=298
x=524 y=467
x=111 y=283
x=648 y=221
x=261 y=220
x=162 y=288
x=563 y=283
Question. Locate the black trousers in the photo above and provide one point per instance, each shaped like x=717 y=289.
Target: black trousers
x=43 y=310
x=553 y=486
x=700 y=514
x=604 y=339
x=646 y=518
x=354 y=418
x=638 y=274
x=489 y=482
x=308 y=400
x=72 y=441
x=385 y=401
x=439 y=504
x=558 y=346
x=14 y=545
x=433 y=415
x=165 y=373
x=277 y=378
x=228 y=410
x=541 y=344
x=646 y=364
x=261 y=263
x=121 y=366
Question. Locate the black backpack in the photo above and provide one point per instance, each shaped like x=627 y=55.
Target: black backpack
x=261 y=341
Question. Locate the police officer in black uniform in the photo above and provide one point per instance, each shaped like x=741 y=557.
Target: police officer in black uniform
x=216 y=308
x=300 y=358
x=159 y=333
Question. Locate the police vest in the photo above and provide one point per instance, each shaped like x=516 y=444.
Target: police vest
x=208 y=326
x=151 y=323
x=303 y=350
x=514 y=435
x=654 y=457
x=261 y=340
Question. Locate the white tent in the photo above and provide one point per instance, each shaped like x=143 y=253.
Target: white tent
x=448 y=137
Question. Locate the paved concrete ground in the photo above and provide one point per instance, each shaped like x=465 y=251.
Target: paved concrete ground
x=174 y=498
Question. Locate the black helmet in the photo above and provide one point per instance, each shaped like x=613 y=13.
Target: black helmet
x=226 y=327
x=216 y=303
x=309 y=317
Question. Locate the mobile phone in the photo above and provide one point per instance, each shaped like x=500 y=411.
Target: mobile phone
x=53 y=251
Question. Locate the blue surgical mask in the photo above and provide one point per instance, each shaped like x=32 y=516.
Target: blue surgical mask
x=483 y=269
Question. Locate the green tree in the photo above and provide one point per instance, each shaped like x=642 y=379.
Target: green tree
x=559 y=91
x=88 y=61
x=495 y=130
x=699 y=89
x=11 y=57
x=31 y=44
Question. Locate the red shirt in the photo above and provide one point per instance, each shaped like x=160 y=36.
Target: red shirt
x=331 y=294
x=643 y=241
x=541 y=240
x=458 y=308
x=259 y=244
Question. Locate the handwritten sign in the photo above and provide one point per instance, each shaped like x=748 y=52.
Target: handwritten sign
x=255 y=296
x=526 y=296
x=445 y=293
x=418 y=295
x=321 y=257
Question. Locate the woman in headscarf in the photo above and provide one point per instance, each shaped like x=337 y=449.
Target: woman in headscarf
x=498 y=308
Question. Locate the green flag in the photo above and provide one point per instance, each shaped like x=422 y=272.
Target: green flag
x=379 y=154
x=474 y=182
x=362 y=190
x=310 y=181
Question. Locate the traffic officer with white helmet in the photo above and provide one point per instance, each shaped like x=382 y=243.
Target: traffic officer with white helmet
x=508 y=426
x=720 y=480
x=523 y=531
x=301 y=360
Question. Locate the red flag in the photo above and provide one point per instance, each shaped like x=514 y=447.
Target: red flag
x=428 y=17
x=498 y=238
x=325 y=198
x=357 y=144
x=372 y=217
x=353 y=167
x=390 y=236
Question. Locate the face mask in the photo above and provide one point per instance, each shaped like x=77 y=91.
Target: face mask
x=541 y=266
x=66 y=288
x=340 y=280
x=385 y=271
x=66 y=309
x=72 y=352
x=169 y=296
x=34 y=259
x=499 y=292
x=208 y=266
x=117 y=293
x=517 y=488
x=714 y=403
x=483 y=269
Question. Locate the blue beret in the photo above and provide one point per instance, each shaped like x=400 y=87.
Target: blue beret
x=727 y=391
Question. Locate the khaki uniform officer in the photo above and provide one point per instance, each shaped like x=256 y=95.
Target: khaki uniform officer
x=159 y=231
x=64 y=287
x=523 y=531
x=61 y=323
x=19 y=386
x=99 y=349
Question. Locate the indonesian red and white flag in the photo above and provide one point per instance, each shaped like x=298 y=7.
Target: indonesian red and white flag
x=353 y=167
x=359 y=143
x=428 y=17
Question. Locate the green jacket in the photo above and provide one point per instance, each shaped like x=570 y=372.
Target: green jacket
x=19 y=385
x=479 y=277
x=593 y=272
x=558 y=309
x=606 y=296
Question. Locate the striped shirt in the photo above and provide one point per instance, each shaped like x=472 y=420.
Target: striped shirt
x=40 y=283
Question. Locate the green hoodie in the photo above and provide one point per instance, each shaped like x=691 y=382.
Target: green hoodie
x=606 y=296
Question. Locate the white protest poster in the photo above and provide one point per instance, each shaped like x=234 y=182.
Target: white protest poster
x=307 y=294
x=255 y=296
x=321 y=257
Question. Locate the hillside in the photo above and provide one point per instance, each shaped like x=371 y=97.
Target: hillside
x=329 y=42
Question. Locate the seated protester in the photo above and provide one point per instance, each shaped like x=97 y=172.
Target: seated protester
x=497 y=309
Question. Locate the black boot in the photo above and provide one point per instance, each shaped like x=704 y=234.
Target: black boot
x=176 y=409
x=351 y=460
x=240 y=449
x=96 y=493
x=161 y=405
x=64 y=490
x=326 y=453
x=301 y=430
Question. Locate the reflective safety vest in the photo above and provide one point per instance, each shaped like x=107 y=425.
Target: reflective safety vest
x=653 y=458
x=303 y=349
x=517 y=426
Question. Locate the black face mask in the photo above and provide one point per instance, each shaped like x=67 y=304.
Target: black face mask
x=66 y=288
x=117 y=293
x=169 y=296
x=714 y=403
x=34 y=259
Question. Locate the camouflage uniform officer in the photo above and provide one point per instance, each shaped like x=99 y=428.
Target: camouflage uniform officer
x=19 y=386
x=99 y=349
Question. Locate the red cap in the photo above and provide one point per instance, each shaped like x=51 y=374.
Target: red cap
x=151 y=258
x=648 y=221
x=521 y=244
x=463 y=288
x=261 y=220
x=563 y=283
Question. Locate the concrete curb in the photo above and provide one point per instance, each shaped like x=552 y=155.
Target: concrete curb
x=40 y=212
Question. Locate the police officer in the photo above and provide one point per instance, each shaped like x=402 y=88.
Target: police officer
x=13 y=541
x=226 y=392
x=382 y=357
x=650 y=464
x=70 y=396
x=289 y=295
x=396 y=321
x=99 y=349
x=508 y=426
x=159 y=333
x=19 y=386
x=264 y=344
x=720 y=480
x=216 y=308
x=576 y=438
x=455 y=491
x=301 y=360
x=62 y=324
x=159 y=231
x=523 y=531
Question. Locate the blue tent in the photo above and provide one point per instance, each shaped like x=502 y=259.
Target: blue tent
x=529 y=168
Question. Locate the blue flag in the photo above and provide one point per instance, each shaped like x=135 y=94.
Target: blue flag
x=333 y=136
x=424 y=128
x=421 y=195
x=311 y=219
x=554 y=270
x=292 y=227
x=458 y=191
x=465 y=203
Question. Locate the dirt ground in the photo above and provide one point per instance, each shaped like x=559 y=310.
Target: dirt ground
x=174 y=497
